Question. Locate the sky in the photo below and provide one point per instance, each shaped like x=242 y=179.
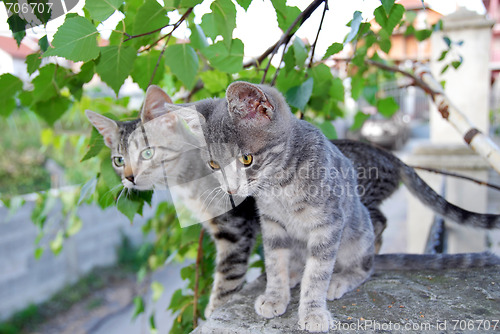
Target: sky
x=257 y=27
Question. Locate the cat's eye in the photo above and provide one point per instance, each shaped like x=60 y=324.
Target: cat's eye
x=148 y=153
x=213 y=164
x=118 y=161
x=246 y=159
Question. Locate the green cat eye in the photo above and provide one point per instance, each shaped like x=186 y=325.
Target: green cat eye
x=118 y=161
x=147 y=153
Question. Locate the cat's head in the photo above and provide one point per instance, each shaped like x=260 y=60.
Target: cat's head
x=244 y=140
x=145 y=151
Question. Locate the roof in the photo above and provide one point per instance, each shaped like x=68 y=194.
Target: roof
x=9 y=45
x=413 y=4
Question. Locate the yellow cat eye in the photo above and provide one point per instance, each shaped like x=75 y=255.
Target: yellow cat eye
x=246 y=160
x=147 y=153
x=213 y=164
x=118 y=161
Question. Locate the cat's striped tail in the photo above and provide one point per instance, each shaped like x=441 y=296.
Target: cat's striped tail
x=432 y=199
x=435 y=261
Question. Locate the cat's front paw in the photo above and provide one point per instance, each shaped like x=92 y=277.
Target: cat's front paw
x=269 y=306
x=317 y=321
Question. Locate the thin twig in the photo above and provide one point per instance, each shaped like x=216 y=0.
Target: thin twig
x=285 y=38
x=129 y=37
x=313 y=49
x=275 y=76
x=440 y=171
x=174 y=27
x=196 y=279
x=169 y=35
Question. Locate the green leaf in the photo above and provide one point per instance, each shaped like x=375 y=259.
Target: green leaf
x=57 y=243
x=198 y=38
x=385 y=44
x=456 y=64
x=285 y=14
x=96 y=144
x=244 y=3
x=354 y=24
x=337 y=90
x=33 y=62
x=100 y=10
x=38 y=253
x=208 y=25
x=328 y=130
x=127 y=207
x=298 y=96
x=215 y=81
x=150 y=16
x=387 y=5
x=395 y=17
x=443 y=55
x=387 y=106
x=46 y=84
x=157 y=289
x=224 y=16
x=228 y=61
x=51 y=110
x=74 y=225
x=43 y=43
x=9 y=85
x=75 y=40
x=138 y=306
x=333 y=49
x=183 y=61
x=322 y=76
x=359 y=120
x=87 y=190
x=18 y=27
x=423 y=34
x=144 y=66
x=300 y=51
x=115 y=64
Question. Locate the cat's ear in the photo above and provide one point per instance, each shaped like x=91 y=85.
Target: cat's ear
x=248 y=103
x=155 y=104
x=184 y=118
x=106 y=127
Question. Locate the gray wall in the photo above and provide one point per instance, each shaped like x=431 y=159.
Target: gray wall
x=25 y=280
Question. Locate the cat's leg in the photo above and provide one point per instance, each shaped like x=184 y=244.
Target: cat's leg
x=379 y=222
x=354 y=263
x=234 y=244
x=276 y=244
x=322 y=248
x=297 y=262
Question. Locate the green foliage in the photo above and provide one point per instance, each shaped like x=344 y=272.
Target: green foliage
x=139 y=48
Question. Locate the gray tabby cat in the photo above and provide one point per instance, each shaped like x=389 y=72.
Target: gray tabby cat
x=158 y=149
x=305 y=190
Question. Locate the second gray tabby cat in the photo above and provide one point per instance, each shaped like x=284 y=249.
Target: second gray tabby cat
x=315 y=228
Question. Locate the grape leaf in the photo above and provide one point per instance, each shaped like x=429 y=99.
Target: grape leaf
x=115 y=64
x=183 y=61
x=100 y=10
x=75 y=40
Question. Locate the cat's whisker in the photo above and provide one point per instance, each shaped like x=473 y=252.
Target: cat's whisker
x=208 y=196
x=120 y=194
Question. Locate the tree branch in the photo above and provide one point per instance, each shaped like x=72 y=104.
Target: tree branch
x=440 y=171
x=285 y=38
x=317 y=35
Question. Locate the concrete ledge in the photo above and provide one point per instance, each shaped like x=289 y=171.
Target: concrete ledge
x=431 y=301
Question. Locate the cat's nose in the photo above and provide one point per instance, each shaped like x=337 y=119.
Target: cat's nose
x=130 y=178
x=232 y=191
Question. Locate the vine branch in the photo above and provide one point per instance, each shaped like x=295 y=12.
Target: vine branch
x=313 y=49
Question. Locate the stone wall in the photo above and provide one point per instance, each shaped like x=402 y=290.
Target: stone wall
x=25 y=280
x=452 y=301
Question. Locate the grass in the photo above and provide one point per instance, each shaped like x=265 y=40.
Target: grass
x=130 y=259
